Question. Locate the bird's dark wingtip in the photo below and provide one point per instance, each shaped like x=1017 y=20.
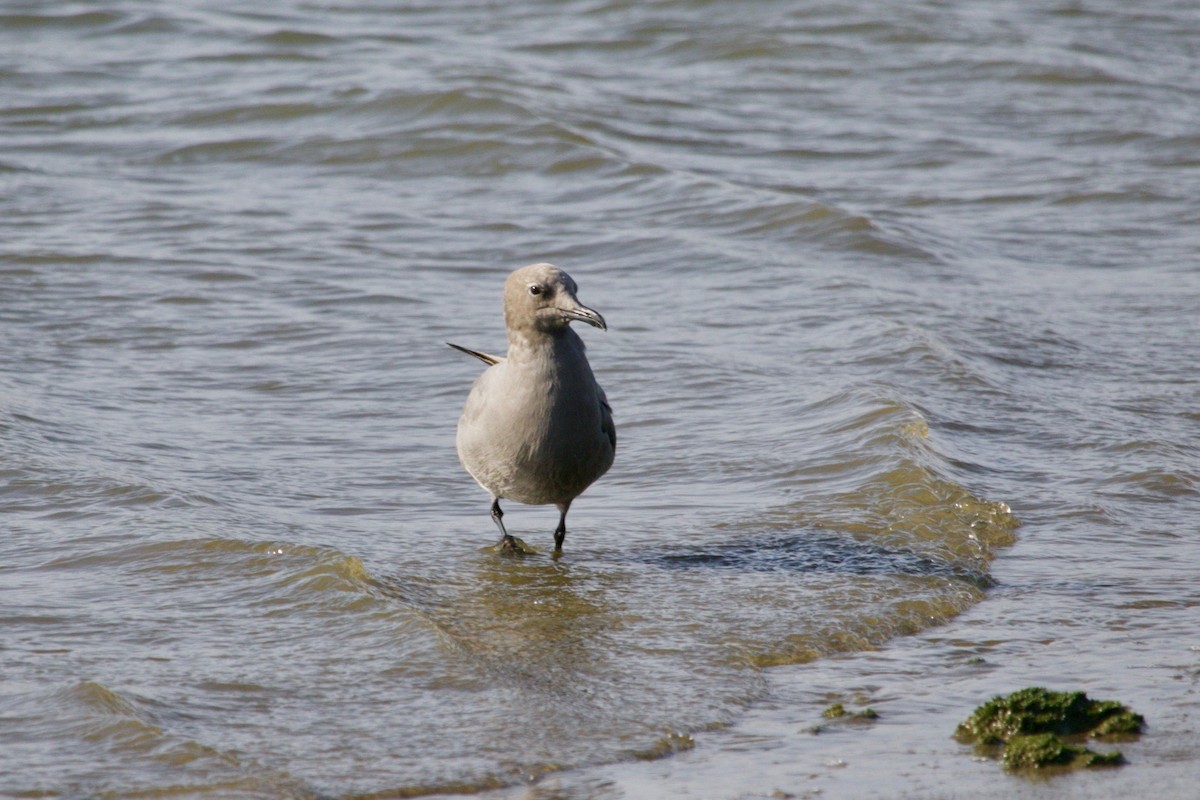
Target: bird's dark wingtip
x=486 y=358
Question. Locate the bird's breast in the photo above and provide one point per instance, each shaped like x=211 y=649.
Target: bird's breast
x=534 y=431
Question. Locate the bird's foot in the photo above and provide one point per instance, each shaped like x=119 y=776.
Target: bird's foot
x=512 y=546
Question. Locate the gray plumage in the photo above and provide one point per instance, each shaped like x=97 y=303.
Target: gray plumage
x=536 y=427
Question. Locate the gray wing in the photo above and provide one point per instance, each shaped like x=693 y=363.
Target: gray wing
x=486 y=358
x=606 y=419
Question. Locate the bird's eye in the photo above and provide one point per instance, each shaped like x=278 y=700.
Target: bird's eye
x=535 y=289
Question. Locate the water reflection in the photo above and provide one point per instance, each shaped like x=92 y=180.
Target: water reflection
x=532 y=620
x=539 y=626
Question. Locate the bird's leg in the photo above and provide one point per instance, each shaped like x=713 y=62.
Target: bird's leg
x=506 y=541
x=560 y=533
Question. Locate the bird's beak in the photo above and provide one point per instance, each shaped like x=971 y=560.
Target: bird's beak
x=585 y=314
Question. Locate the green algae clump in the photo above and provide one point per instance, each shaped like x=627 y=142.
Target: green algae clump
x=838 y=711
x=838 y=714
x=834 y=711
x=668 y=744
x=1028 y=726
x=1122 y=726
x=1045 y=749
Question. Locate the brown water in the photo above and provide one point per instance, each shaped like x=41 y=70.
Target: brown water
x=904 y=312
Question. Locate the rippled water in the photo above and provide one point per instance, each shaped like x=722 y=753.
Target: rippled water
x=903 y=306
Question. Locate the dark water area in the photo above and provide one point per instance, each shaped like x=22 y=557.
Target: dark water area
x=904 y=313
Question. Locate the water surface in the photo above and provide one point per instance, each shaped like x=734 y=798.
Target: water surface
x=902 y=347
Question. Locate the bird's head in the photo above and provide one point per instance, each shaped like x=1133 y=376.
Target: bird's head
x=541 y=297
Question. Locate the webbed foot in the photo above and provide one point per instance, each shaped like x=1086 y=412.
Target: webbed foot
x=512 y=546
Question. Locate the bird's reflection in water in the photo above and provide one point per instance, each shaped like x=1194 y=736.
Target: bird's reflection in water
x=531 y=620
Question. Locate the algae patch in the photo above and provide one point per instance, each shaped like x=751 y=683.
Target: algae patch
x=837 y=711
x=1035 y=728
x=670 y=743
x=1039 y=750
x=838 y=715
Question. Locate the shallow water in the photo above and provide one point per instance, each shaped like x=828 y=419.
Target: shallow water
x=903 y=325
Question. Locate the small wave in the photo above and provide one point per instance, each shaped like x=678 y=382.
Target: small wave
x=100 y=731
x=879 y=523
x=755 y=214
x=83 y=19
x=246 y=114
x=257 y=56
x=297 y=38
x=51 y=474
x=149 y=24
x=1155 y=484
x=924 y=606
x=219 y=276
x=58 y=492
x=294 y=570
x=434 y=109
x=245 y=149
x=897 y=494
x=1133 y=195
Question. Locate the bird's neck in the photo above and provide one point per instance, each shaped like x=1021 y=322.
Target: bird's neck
x=528 y=345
